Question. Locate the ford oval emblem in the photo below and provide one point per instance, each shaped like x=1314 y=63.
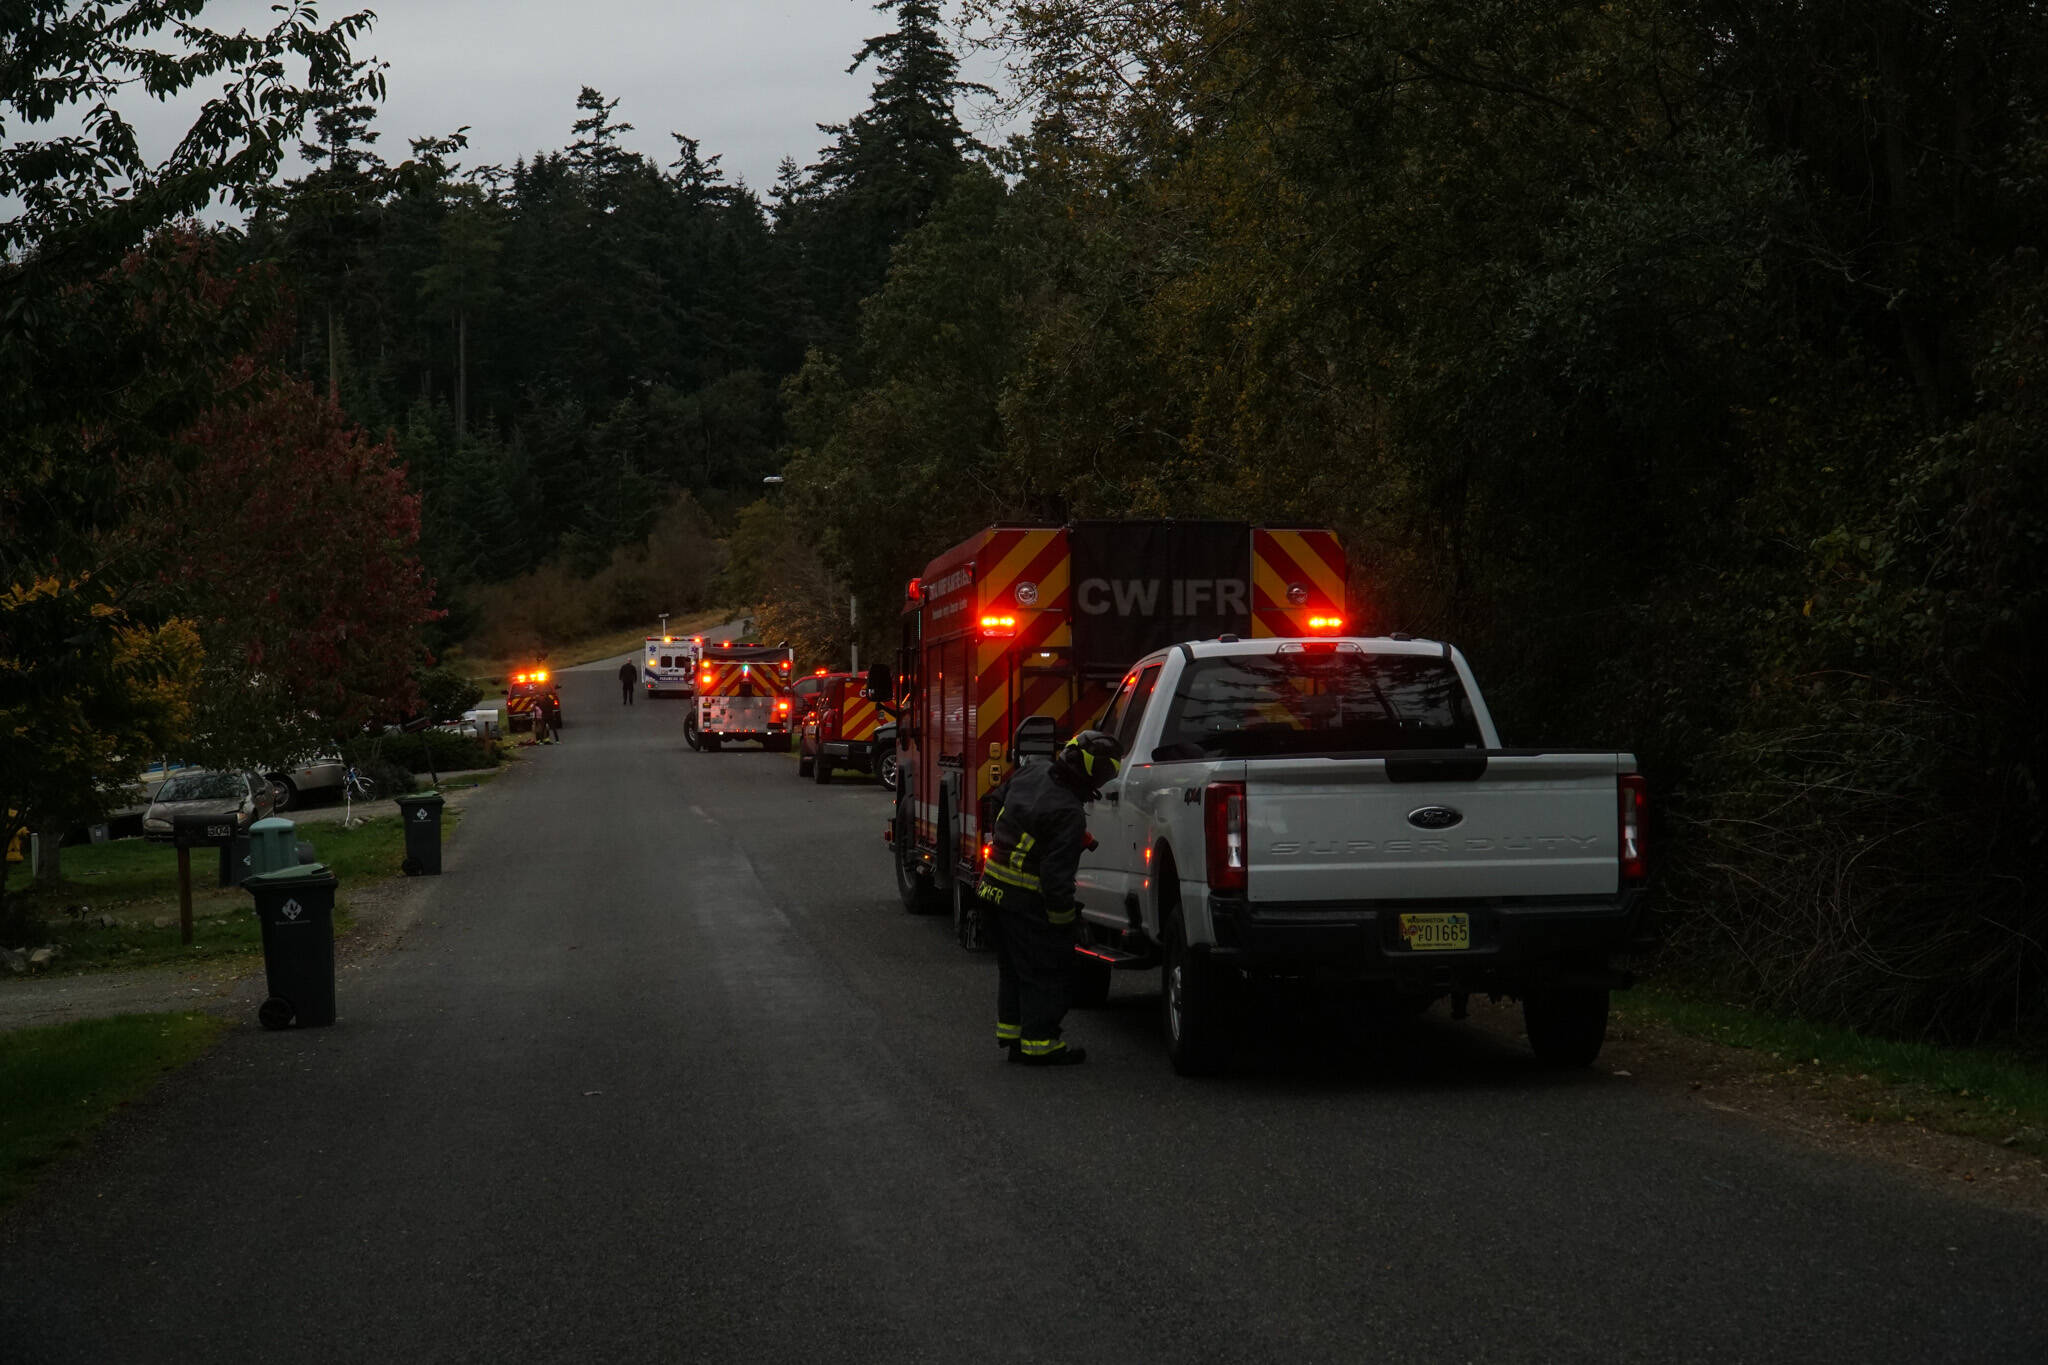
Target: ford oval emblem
x=1434 y=817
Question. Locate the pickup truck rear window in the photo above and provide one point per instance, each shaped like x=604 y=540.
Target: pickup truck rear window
x=1252 y=706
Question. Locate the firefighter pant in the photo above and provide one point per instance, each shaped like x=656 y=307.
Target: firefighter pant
x=626 y=691
x=1031 y=966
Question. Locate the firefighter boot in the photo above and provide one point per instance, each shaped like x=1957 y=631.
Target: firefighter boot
x=1054 y=1054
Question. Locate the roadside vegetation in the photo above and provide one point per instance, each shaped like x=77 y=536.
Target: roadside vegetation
x=135 y=884
x=1997 y=1095
x=58 y=1084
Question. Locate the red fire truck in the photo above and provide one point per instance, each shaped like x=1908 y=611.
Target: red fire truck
x=1014 y=639
x=742 y=693
x=837 y=728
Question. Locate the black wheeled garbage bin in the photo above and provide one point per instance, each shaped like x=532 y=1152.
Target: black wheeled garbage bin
x=421 y=814
x=235 y=865
x=296 y=909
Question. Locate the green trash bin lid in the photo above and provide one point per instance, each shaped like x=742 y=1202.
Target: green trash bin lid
x=292 y=876
x=266 y=825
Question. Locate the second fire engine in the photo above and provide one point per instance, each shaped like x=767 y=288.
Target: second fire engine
x=743 y=692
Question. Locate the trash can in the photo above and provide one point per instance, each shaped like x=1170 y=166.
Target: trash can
x=272 y=846
x=236 y=861
x=296 y=909
x=421 y=814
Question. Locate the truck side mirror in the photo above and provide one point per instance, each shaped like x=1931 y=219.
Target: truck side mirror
x=879 y=684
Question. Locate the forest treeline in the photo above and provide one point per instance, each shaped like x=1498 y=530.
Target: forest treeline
x=1678 y=359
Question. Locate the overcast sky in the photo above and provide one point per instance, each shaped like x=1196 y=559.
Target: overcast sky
x=750 y=79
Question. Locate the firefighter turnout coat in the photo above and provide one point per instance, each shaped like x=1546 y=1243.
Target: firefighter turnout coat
x=1028 y=886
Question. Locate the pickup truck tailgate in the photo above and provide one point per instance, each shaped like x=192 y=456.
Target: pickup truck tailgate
x=1342 y=829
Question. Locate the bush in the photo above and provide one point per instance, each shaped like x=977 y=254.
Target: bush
x=445 y=694
x=451 y=753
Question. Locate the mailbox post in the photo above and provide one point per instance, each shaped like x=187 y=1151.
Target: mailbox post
x=190 y=831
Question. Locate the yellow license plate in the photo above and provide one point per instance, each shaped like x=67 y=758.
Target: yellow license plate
x=1430 y=933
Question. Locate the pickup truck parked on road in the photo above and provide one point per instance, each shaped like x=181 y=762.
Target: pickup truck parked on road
x=1341 y=812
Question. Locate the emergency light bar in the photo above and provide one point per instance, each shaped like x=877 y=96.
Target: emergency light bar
x=998 y=625
x=1329 y=623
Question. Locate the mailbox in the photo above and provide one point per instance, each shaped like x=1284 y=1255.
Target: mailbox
x=190 y=830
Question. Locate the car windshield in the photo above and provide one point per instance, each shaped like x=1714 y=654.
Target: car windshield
x=204 y=787
x=1343 y=701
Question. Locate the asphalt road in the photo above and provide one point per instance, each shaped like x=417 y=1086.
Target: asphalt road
x=665 y=1073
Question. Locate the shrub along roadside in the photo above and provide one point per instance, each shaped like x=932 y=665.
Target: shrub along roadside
x=58 y=1084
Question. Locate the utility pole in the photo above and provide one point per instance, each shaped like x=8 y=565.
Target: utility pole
x=853 y=619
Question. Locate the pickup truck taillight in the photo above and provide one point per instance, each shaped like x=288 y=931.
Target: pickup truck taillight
x=1635 y=849
x=1223 y=823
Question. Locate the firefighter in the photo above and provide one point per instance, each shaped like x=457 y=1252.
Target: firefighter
x=548 y=715
x=1028 y=887
x=629 y=673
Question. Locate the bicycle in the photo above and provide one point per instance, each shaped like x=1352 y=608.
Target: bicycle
x=354 y=787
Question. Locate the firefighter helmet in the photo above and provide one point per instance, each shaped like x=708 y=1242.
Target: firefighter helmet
x=1089 y=759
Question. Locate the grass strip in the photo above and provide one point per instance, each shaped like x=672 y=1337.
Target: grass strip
x=135 y=882
x=1978 y=1092
x=58 y=1084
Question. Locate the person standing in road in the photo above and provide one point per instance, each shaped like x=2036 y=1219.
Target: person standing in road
x=548 y=715
x=629 y=674
x=1027 y=886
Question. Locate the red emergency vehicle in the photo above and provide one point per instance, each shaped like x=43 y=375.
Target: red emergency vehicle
x=742 y=693
x=837 y=727
x=523 y=694
x=1037 y=624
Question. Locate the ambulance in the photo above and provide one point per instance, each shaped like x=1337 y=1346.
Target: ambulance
x=1014 y=640
x=669 y=668
x=743 y=692
x=836 y=727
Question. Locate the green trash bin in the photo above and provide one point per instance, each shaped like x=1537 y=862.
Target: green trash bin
x=295 y=906
x=273 y=846
x=421 y=815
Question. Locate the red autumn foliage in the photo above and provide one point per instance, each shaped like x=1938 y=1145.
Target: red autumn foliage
x=295 y=539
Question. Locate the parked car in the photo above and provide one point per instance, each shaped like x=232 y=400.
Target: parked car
x=322 y=777
x=247 y=796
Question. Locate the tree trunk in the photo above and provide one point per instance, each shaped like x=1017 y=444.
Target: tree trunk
x=333 y=361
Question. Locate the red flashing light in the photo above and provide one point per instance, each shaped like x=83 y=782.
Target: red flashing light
x=1328 y=623
x=1225 y=826
x=817 y=672
x=705 y=679
x=784 y=665
x=998 y=625
x=782 y=705
x=1633 y=831
x=541 y=676
x=987 y=847
x=915 y=592
x=696 y=639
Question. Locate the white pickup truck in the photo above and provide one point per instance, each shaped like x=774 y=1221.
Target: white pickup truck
x=1341 y=812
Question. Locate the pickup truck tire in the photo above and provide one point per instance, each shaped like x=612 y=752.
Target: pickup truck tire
x=821 y=768
x=1087 y=982
x=885 y=767
x=803 y=763
x=1567 y=1025
x=690 y=735
x=1193 y=1000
